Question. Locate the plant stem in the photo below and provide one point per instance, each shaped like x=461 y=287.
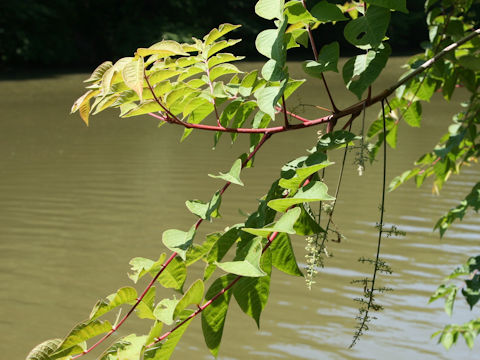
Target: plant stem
x=169 y=260
x=315 y=54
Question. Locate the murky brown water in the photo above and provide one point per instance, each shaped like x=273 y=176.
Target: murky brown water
x=78 y=203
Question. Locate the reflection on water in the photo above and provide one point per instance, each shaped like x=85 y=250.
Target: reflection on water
x=78 y=203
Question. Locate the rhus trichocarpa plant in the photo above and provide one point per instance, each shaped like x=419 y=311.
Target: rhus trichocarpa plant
x=197 y=86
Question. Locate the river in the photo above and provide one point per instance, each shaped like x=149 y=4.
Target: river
x=78 y=203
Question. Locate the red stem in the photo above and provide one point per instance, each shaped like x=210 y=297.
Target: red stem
x=169 y=260
x=220 y=293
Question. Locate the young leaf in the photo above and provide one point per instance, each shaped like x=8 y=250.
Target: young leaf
x=164 y=311
x=44 y=350
x=84 y=331
x=205 y=210
x=97 y=74
x=193 y=296
x=125 y=295
x=233 y=176
x=283 y=225
x=178 y=240
x=213 y=317
x=250 y=263
x=312 y=192
x=174 y=275
x=270 y=9
x=163 y=351
x=163 y=49
x=133 y=75
x=327 y=61
x=144 y=309
x=127 y=347
x=251 y=294
x=268 y=97
x=218 y=33
x=283 y=257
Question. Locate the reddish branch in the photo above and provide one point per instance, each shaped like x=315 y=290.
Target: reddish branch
x=217 y=295
x=353 y=110
x=169 y=260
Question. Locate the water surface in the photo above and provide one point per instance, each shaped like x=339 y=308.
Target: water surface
x=78 y=203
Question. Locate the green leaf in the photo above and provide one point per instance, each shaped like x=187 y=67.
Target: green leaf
x=313 y=163
x=155 y=332
x=268 y=97
x=205 y=210
x=97 y=74
x=219 y=46
x=251 y=294
x=449 y=301
x=218 y=33
x=83 y=332
x=127 y=347
x=472 y=291
x=213 y=317
x=399 y=5
x=163 y=49
x=82 y=104
x=316 y=191
x=141 y=266
x=327 y=61
x=273 y=71
x=368 y=31
x=283 y=225
x=178 y=240
x=223 y=69
x=233 y=176
x=334 y=140
x=125 y=295
x=361 y=71
x=149 y=106
x=197 y=252
x=193 y=296
x=271 y=43
x=413 y=114
x=241 y=116
x=223 y=58
x=164 y=311
x=270 y=9
x=326 y=12
x=306 y=225
x=44 y=350
x=144 y=309
x=283 y=257
x=163 y=351
x=392 y=136
x=174 y=275
x=133 y=75
x=296 y=12
x=219 y=250
x=250 y=263
x=447 y=339
x=247 y=84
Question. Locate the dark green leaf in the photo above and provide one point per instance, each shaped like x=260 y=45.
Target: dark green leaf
x=326 y=12
x=368 y=31
x=399 y=5
x=283 y=257
x=312 y=192
x=327 y=61
x=249 y=265
x=252 y=293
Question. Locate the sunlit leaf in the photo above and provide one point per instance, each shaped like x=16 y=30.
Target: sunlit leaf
x=249 y=265
x=193 y=296
x=44 y=350
x=283 y=257
x=164 y=311
x=233 y=176
x=178 y=240
x=270 y=9
x=205 y=210
x=133 y=75
x=83 y=332
x=213 y=317
x=283 y=225
x=124 y=295
x=399 y=5
x=144 y=309
x=219 y=32
x=251 y=294
x=97 y=74
x=174 y=275
x=296 y=12
x=163 y=351
x=312 y=192
x=163 y=49
x=127 y=347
